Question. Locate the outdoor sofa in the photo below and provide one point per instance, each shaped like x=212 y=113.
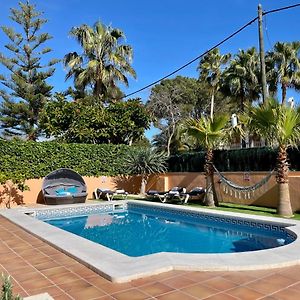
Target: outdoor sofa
x=64 y=186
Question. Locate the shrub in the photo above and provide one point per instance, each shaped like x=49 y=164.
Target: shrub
x=7 y=293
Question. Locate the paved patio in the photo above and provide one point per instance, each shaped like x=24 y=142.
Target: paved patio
x=36 y=267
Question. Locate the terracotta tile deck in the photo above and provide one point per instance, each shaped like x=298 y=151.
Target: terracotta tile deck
x=36 y=267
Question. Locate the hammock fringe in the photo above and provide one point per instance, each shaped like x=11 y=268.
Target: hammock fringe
x=239 y=190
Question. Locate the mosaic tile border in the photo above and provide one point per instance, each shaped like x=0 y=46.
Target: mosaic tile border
x=53 y=213
x=168 y=212
x=242 y=222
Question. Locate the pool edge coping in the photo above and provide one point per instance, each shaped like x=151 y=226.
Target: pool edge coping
x=118 y=267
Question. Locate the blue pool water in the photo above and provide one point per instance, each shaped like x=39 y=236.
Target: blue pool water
x=140 y=231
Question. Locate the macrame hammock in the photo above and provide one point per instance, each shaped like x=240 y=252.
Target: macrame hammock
x=238 y=191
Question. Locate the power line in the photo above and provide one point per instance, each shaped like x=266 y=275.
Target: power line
x=213 y=47
x=273 y=11
x=196 y=58
x=280 y=9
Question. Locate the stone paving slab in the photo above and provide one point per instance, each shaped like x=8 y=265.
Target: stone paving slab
x=36 y=267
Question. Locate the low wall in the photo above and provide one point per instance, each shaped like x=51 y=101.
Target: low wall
x=265 y=196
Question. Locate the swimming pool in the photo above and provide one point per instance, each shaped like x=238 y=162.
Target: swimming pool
x=119 y=267
x=140 y=230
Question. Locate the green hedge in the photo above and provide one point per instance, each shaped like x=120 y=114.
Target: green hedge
x=35 y=160
x=251 y=159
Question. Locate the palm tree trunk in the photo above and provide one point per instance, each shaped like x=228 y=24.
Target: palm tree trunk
x=31 y=137
x=212 y=103
x=283 y=91
x=243 y=99
x=143 y=185
x=284 y=207
x=98 y=90
x=211 y=195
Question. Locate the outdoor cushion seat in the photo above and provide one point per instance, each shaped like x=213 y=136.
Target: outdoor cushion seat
x=64 y=186
x=197 y=192
x=103 y=194
x=107 y=194
x=176 y=194
x=121 y=192
x=154 y=194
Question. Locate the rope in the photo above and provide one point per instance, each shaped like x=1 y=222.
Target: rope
x=243 y=188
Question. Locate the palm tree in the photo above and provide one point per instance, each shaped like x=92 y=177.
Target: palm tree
x=210 y=134
x=280 y=126
x=284 y=68
x=145 y=162
x=104 y=61
x=210 y=68
x=242 y=77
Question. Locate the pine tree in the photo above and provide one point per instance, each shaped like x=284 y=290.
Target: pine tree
x=25 y=88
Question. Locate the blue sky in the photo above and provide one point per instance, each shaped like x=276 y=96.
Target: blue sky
x=164 y=34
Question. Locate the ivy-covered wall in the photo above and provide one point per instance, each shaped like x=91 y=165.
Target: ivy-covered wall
x=35 y=160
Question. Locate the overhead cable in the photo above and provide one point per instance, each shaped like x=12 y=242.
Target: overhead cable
x=196 y=58
x=280 y=9
x=213 y=47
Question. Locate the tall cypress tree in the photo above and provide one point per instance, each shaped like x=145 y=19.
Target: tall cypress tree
x=25 y=88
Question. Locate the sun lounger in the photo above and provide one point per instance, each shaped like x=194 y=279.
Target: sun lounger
x=176 y=194
x=155 y=195
x=103 y=194
x=197 y=193
x=120 y=192
x=107 y=194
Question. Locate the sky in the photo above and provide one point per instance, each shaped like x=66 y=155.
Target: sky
x=164 y=34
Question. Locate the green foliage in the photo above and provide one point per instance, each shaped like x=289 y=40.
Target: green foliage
x=26 y=89
x=187 y=162
x=127 y=121
x=278 y=124
x=241 y=78
x=237 y=160
x=180 y=142
x=283 y=67
x=123 y=122
x=210 y=69
x=146 y=161
x=173 y=100
x=210 y=133
x=170 y=102
x=190 y=96
x=7 y=292
x=36 y=160
x=17 y=179
x=104 y=60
